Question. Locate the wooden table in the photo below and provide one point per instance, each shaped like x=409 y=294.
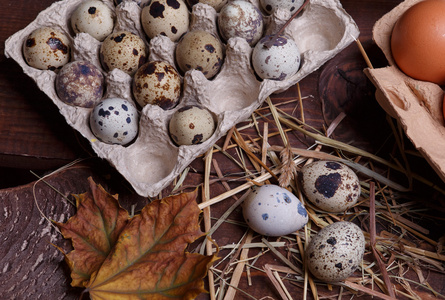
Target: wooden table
x=34 y=136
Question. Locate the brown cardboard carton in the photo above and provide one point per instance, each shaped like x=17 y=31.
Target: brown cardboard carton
x=417 y=105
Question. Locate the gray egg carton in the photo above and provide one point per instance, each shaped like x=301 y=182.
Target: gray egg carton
x=152 y=161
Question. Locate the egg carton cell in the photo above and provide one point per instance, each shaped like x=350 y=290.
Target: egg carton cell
x=152 y=160
x=417 y=105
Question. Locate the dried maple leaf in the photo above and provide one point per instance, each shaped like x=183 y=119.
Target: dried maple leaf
x=149 y=260
x=93 y=230
x=139 y=258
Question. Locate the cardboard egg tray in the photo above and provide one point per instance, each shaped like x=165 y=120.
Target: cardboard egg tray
x=417 y=105
x=152 y=161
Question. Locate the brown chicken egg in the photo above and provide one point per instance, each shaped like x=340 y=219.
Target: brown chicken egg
x=418 y=41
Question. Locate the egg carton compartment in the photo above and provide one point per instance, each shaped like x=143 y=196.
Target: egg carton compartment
x=416 y=105
x=152 y=161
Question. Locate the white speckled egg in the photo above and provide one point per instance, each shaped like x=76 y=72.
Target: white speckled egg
x=46 y=49
x=331 y=186
x=166 y=17
x=80 y=83
x=274 y=211
x=201 y=51
x=191 y=125
x=336 y=251
x=93 y=17
x=114 y=121
x=271 y=5
x=279 y=61
x=123 y=50
x=157 y=83
x=241 y=19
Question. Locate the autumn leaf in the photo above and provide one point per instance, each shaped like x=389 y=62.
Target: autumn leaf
x=149 y=260
x=94 y=230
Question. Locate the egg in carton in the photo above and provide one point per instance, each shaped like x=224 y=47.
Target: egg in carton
x=416 y=105
x=152 y=160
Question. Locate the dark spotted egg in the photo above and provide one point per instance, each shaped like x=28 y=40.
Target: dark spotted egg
x=191 y=125
x=114 y=121
x=93 y=17
x=276 y=58
x=241 y=19
x=200 y=50
x=270 y=6
x=47 y=49
x=274 y=211
x=157 y=83
x=80 y=83
x=331 y=186
x=165 y=17
x=123 y=50
x=336 y=251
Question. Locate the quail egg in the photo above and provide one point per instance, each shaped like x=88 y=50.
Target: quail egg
x=271 y=5
x=46 y=49
x=329 y=185
x=166 y=17
x=274 y=211
x=216 y=4
x=123 y=50
x=157 y=83
x=141 y=3
x=241 y=19
x=200 y=50
x=80 y=83
x=191 y=125
x=276 y=58
x=93 y=17
x=114 y=121
x=336 y=251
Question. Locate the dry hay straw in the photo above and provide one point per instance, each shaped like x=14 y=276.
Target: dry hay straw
x=388 y=255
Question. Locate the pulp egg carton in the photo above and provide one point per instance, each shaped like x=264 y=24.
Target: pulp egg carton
x=152 y=161
x=416 y=105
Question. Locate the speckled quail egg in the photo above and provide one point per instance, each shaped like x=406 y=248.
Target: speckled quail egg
x=165 y=17
x=157 y=83
x=80 y=83
x=331 y=186
x=46 y=49
x=191 y=125
x=216 y=4
x=276 y=58
x=336 y=251
x=141 y=3
x=123 y=50
x=200 y=50
x=274 y=211
x=114 y=121
x=93 y=17
x=271 y=5
x=241 y=19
